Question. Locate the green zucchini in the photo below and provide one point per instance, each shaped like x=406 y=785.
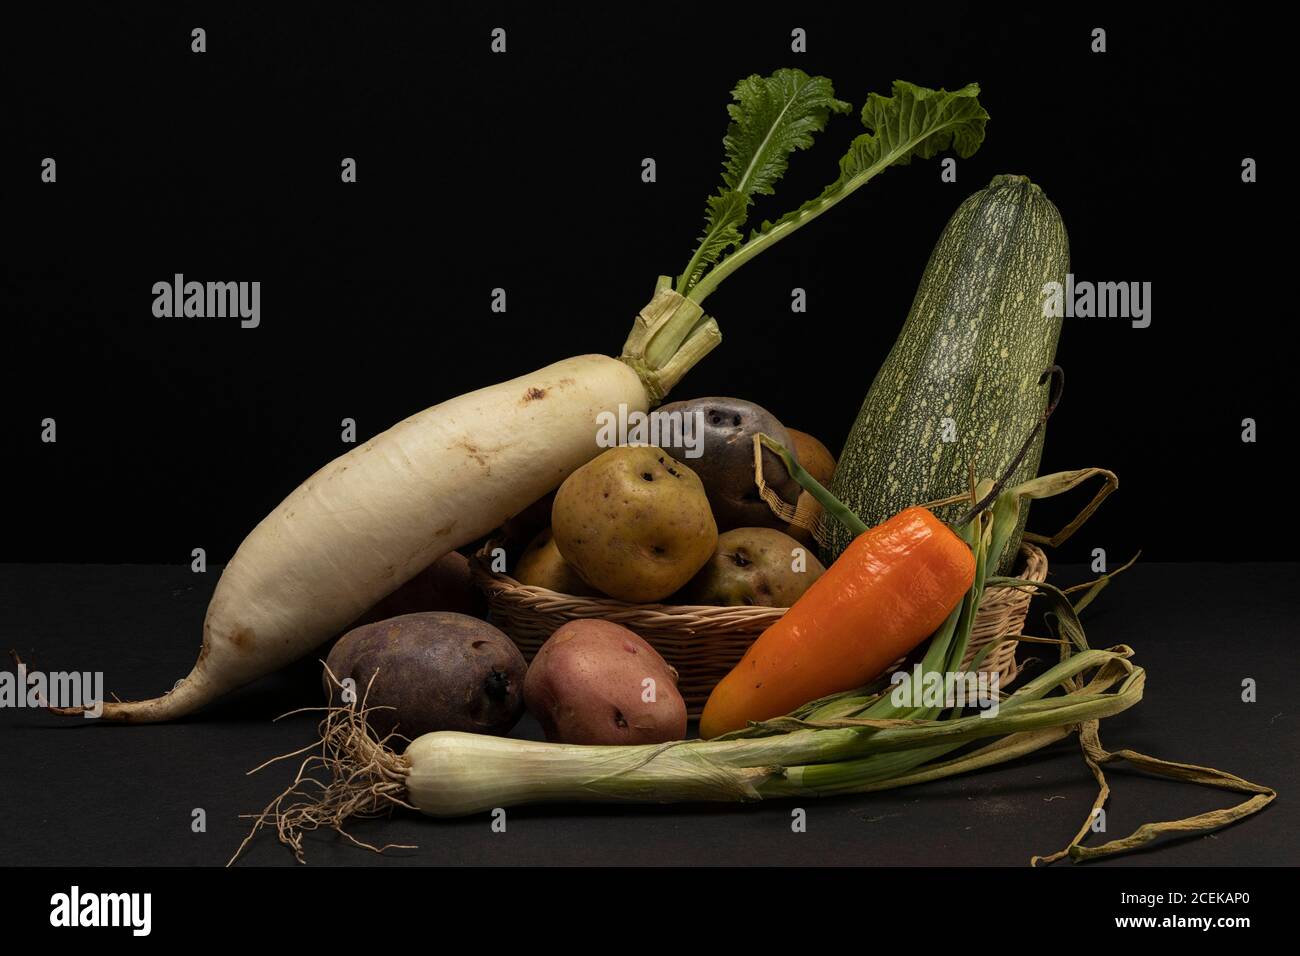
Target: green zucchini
x=961 y=385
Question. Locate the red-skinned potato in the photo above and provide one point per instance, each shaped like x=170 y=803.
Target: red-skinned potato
x=588 y=685
x=818 y=461
x=815 y=457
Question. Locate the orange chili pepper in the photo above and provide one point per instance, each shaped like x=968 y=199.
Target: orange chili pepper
x=893 y=587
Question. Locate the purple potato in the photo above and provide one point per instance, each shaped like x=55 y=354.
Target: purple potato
x=726 y=464
x=436 y=671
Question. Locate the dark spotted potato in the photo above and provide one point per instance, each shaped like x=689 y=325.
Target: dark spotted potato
x=726 y=465
x=436 y=670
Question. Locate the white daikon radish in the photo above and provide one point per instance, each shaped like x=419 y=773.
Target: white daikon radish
x=375 y=517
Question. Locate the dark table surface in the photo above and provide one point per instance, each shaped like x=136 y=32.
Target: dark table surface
x=75 y=792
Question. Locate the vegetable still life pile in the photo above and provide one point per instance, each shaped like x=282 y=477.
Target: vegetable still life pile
x=857 y=567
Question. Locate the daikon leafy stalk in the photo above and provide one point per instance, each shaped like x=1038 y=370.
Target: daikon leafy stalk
x=771 y=118
x=912 y=121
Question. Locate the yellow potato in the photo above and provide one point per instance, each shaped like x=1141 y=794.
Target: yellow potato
x=634 y=523
x=757 y=566
x=541 y=565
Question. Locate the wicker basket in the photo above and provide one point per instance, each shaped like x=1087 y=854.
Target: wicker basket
x=705 y=643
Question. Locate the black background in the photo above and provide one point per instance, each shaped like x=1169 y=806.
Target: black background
x=523 y=171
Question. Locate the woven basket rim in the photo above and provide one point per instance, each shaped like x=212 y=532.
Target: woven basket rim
x=503 y=585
